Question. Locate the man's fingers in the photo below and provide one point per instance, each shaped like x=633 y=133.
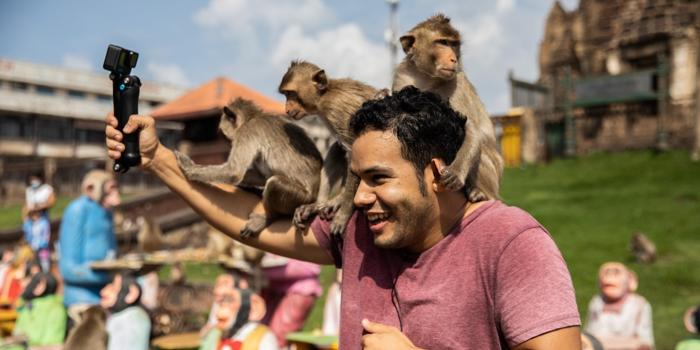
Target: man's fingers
x=137 y=122
x=111 y=120
x=114 y=145
x=114 y=154
x=373 y=327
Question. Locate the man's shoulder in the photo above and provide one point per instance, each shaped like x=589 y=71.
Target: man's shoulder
x=498 y=220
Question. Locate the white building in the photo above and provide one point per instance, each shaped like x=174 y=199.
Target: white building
x=51 y=120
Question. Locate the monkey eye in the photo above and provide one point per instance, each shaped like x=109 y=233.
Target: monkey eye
x=290 y=94
x=444 y=42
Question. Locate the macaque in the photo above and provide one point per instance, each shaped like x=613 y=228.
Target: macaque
x=433 y=63
x=268 y=154
x=91 y=332
x=310 y=92
x=643 y=248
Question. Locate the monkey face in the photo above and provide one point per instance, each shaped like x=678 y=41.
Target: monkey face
x=389 y=193
x=293 y=107
x=435 y=54
x=614 y=281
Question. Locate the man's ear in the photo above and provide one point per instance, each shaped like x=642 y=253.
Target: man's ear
x=437 y=166
x=257 y=308
x=133 y=294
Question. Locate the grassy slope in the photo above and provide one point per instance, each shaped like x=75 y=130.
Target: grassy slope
x=594 y=204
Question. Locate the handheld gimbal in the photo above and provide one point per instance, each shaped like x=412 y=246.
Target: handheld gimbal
x=125 y=94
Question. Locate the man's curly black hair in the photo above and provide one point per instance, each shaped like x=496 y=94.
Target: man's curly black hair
x=425 y=126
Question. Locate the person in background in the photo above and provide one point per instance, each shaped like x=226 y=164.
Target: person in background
x=619 y=317
x=37 y=233
x=292 y=289
x=41 y=316
x=128 y=324
x=38 y=195
x=87 y=235
x=691 y=320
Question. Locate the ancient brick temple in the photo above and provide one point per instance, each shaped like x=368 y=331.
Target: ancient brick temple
x=622 y=38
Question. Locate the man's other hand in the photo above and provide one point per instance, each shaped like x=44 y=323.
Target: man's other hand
x=380 y=336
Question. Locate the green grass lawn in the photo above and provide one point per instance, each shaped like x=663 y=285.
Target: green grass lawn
x=593 y=205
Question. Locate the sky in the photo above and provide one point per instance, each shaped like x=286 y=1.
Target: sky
x=188 y=43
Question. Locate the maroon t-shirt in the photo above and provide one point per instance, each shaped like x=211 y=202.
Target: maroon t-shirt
x=496 y=279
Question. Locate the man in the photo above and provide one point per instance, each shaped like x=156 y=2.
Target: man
x=128 y=324
x=87 y=235
x=423 y=267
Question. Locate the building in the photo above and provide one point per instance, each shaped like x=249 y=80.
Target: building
x=52 y=121
x=616 y=75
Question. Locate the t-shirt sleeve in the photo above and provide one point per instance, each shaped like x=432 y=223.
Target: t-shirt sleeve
x=534 y=293
x=321 y=230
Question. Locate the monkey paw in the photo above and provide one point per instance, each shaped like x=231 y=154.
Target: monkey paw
x=451 y=180
x=328 y=209
x=183 y=161
x=340 y=221
x=475 y=195
x=303 y=215
x=256 y=223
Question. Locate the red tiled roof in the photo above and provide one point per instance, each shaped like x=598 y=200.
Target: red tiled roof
x=210 y=98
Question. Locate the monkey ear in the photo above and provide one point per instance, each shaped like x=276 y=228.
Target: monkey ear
x=407 y=42
x=320 y=80
x=132 y=295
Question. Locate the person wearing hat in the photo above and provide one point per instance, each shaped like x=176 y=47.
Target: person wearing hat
x=87 y=235
x=691 y=319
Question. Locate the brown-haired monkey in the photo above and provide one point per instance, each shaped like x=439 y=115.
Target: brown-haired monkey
x=310 y=92
x=433 y=63
x=268 y=154
x=91 y=332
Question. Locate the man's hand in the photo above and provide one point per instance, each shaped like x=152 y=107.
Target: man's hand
x=380 y=336
x=148 y=138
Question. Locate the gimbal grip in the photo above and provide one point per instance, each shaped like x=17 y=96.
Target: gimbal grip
x=126 y=102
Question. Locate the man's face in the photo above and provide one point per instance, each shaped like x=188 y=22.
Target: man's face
x=110 y=293
x=399 y=214
x=223 y=285
x=112 y=197
x=614 y=281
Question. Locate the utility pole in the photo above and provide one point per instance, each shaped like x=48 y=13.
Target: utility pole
x=391 y=35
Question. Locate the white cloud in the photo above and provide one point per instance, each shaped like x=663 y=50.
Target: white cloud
x=241 y=18
x=168 y=73
x=77 y=62
x=343 y=52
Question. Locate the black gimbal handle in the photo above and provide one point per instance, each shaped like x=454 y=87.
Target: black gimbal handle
x=125 y=93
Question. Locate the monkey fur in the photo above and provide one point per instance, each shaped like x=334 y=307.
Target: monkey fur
x=91 y=332
x=643 y=248
x=268 y=154
x=433 y=63
x=309 y=91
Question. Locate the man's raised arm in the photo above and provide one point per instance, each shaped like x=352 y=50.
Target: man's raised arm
x=227 y=211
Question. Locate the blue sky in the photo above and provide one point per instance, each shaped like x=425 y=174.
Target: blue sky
x=190 y=42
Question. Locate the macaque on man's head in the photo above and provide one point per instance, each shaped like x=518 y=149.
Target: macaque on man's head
x=615 y=281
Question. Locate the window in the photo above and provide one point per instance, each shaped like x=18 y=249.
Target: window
x=55 y=129
x=76 y=94
x=19 y=86
x=45 y=90
x=104 y=98
x=84 y=136
x=16 y=127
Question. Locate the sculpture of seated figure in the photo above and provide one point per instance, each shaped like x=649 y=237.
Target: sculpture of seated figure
x=617 y=316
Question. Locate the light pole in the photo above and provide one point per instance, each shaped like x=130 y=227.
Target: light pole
x=391 y=35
